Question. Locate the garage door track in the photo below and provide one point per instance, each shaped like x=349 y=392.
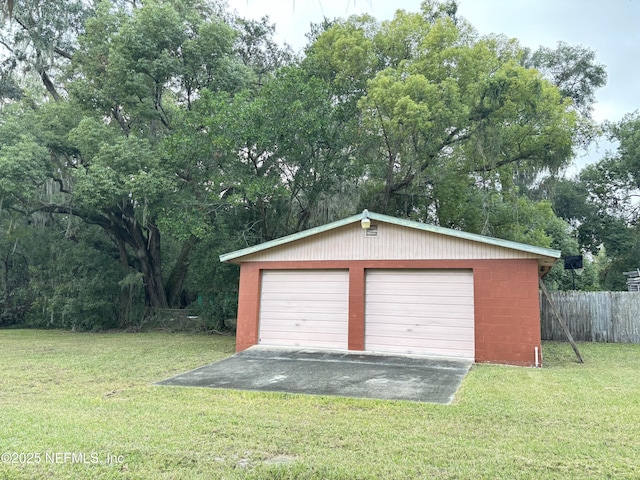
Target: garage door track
x=320 y=372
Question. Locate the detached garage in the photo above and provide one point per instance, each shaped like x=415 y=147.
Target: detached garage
x=376 y=283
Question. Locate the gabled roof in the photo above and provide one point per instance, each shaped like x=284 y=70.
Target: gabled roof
x=546 y=252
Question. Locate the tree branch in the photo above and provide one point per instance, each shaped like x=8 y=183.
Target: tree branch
x=489 y=168
x=115 y=111
x=6 y=45
x=63 y=53
x=68 y=210
x=61 y=185
x=49 y=85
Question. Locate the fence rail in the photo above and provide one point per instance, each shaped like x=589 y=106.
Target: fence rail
x=593 y=316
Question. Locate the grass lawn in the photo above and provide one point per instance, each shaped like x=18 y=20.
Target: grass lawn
x=68 y=397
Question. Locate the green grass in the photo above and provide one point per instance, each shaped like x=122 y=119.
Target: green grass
x=93 y=393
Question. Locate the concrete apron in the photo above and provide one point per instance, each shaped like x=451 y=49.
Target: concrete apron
x=329 y=372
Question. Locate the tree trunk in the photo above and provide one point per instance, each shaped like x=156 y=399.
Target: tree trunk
x=177 y=277
x=7 y=296
x=126 y=300
x=147 y=251
x=144 y=240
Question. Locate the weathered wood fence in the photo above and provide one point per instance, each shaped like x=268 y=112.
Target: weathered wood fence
x=593 y=316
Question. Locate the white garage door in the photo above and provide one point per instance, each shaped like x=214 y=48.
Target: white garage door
x=305 y=308
x=423 y=312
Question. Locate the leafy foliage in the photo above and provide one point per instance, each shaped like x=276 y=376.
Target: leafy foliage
x=573 y=69
x=171 y=132
x=447 y=120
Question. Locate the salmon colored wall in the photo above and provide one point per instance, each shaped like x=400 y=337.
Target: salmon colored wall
x=248 y=306
x=506 y=305
x=356 y=308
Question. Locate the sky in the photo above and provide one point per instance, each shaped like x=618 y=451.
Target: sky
x=611 y=28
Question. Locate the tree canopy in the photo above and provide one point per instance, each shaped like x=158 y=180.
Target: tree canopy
x=154 y=135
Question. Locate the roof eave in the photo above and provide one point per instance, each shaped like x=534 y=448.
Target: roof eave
x=234 y=257
x=229 y=257
x=547 y=252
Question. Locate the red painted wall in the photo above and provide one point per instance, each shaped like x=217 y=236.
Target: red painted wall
x=507 y=309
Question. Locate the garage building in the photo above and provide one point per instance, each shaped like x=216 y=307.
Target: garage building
x=396 y=286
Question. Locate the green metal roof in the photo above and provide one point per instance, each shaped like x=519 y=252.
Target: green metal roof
x=545 y=252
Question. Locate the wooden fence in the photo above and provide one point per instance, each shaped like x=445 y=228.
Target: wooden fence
x=593 y=316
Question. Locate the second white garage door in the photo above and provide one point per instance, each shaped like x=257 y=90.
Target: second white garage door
x=304 y=308
x=422 y=312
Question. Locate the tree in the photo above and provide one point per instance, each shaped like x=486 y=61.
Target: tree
x=108 y=148
x=601 y=205
x=613 y=190
x=446 y=121
x=40 y=38
x=573 y=69
x=179 y=132
x=127 y=175
x=14 y=271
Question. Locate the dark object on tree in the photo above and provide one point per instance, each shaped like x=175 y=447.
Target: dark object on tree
x=573 y=263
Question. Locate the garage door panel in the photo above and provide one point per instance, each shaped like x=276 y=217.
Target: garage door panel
x=411 y=332
x=418 y=309
x=413 y=278
x=429 y=312
x=430 y=289
x=304 y=308
x=452 y=351
x=436 y=343
x=327 y=325
x=433 y=293
x=297 y=309
x=424 y=304
x=310 y=303
x=433 y=330
x=442 y=297
x=315 y=337
x=320 y=292
x=404 y=274
x=325 y=289
x=315 y=343
x=417 y=279
x=416 y=314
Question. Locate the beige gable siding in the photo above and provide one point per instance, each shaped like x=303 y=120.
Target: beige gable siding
x=393 y=242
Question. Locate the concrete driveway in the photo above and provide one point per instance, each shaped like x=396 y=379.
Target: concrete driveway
x=339 y=373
